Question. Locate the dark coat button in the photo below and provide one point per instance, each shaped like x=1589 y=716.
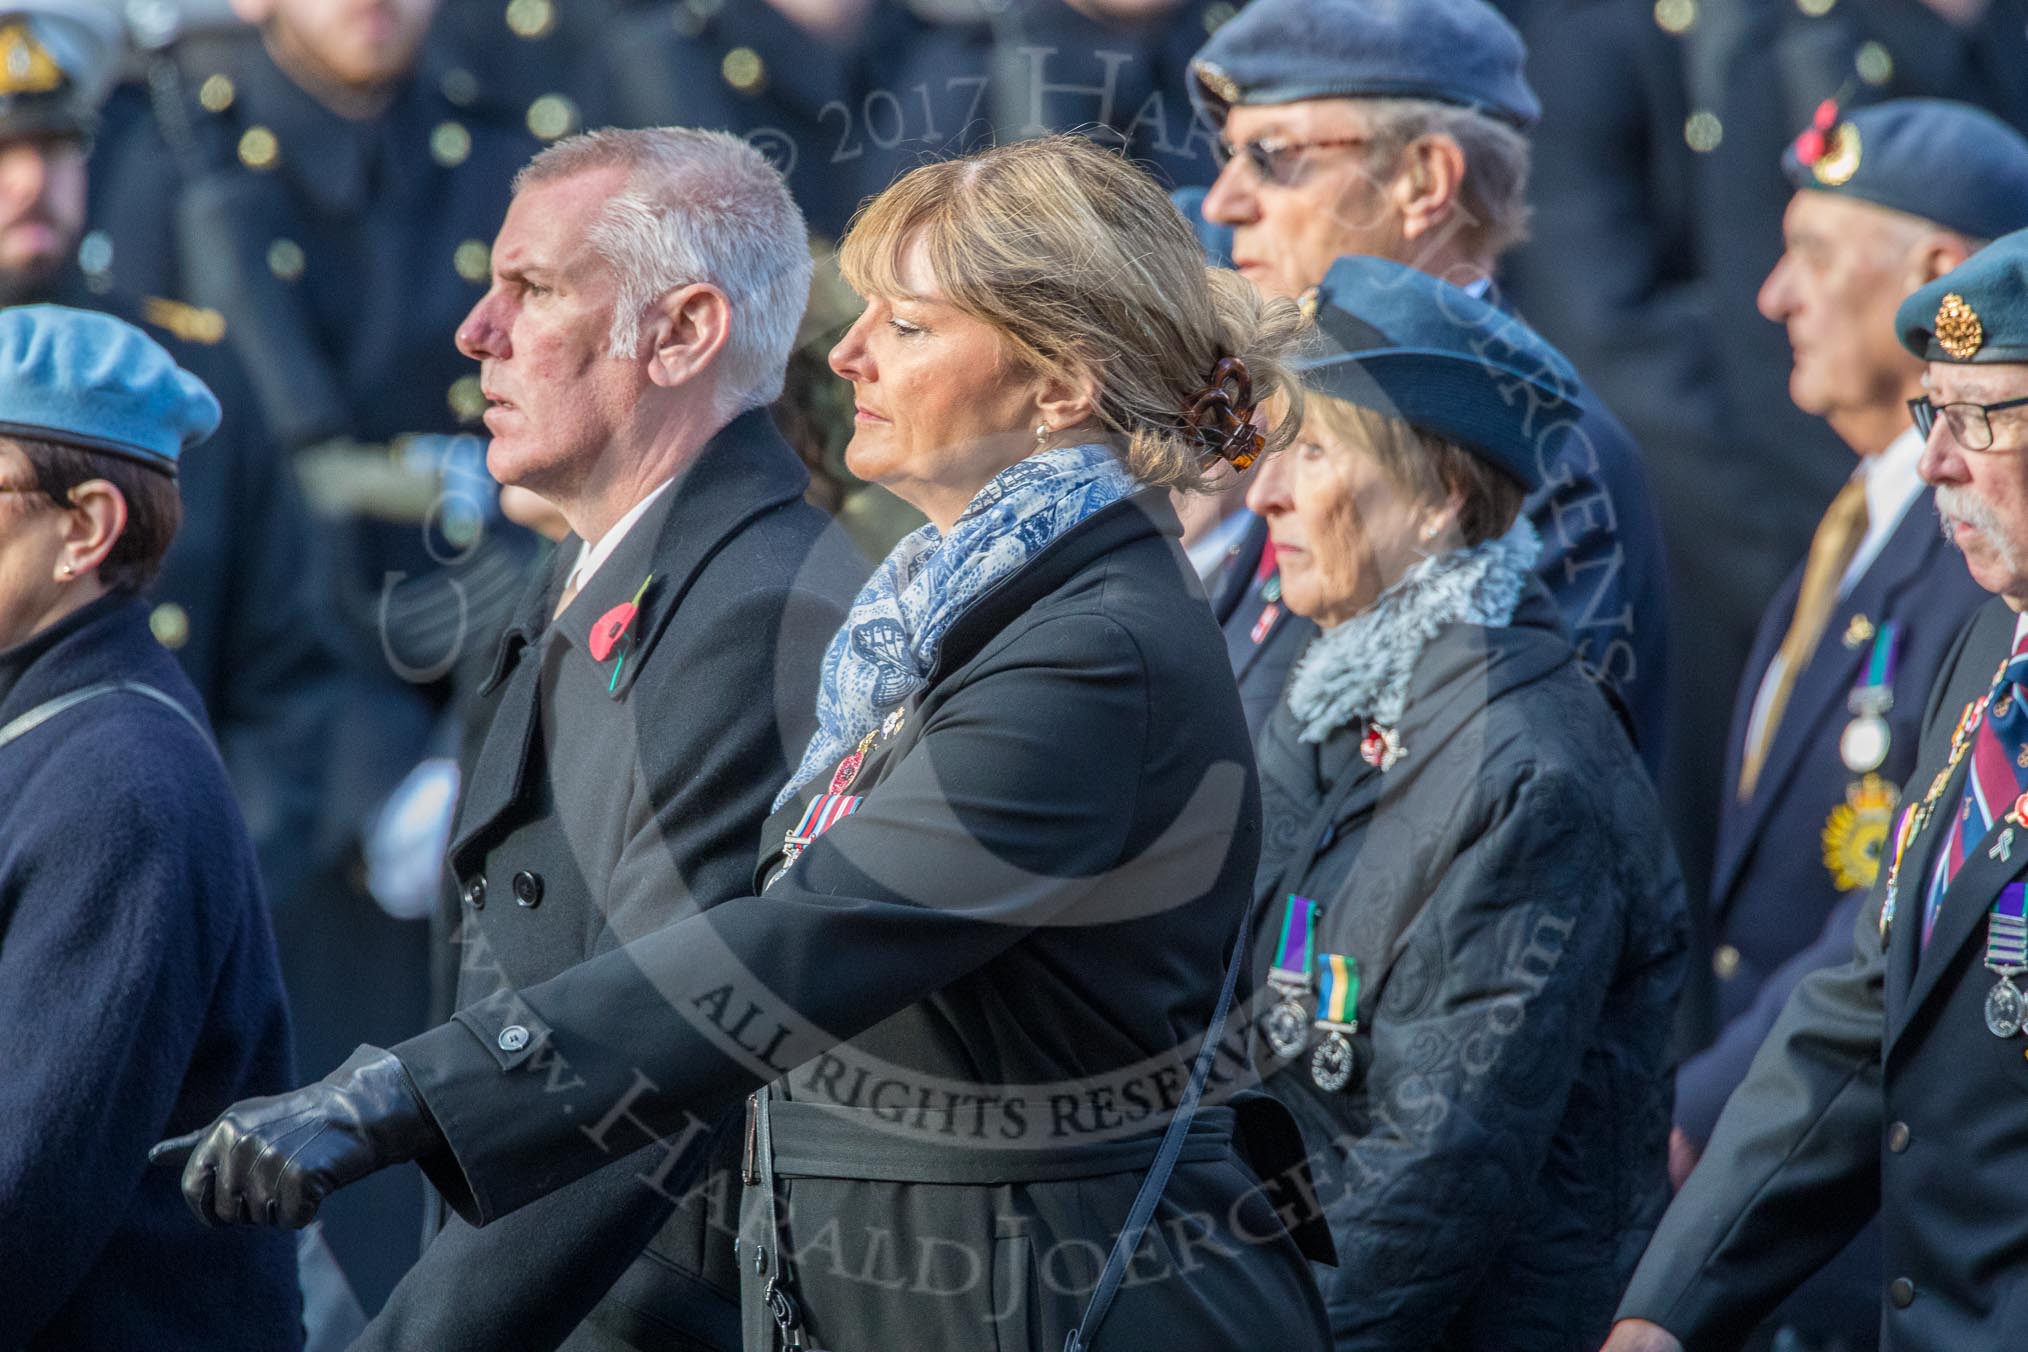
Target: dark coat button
x=475 y=893
x=1902 y=1292
x=1897 y=1137
x=528 y=888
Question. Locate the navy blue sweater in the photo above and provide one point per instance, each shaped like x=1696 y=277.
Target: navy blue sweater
x=139 y=996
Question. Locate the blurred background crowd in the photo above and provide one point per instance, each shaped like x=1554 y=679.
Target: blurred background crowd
x=300 y=194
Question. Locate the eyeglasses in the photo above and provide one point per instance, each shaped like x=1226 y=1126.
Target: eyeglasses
x=1275 y=161
x=1970 y=424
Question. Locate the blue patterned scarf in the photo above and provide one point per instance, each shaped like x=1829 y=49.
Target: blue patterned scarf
x=897 y=625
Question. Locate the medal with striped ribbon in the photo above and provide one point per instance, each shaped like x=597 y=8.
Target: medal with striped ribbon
x=1332 y=1064
x=1288 y=1023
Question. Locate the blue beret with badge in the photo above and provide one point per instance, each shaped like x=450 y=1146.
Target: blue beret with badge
x=1401 y=342
x=88 y=380
x=1284 y=51
x=1976 y=312
x=58 y=59
x=1944 y=161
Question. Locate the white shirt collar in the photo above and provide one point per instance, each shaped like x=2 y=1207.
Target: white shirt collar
x=590 y=556
x=1891 y=485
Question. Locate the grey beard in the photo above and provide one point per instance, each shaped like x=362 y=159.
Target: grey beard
x=1953 y=504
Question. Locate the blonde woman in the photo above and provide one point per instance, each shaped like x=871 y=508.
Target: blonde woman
x=968 y=1002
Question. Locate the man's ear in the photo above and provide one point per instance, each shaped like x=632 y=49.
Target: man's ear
x=1932 y=256
x=687 y=329
x=1426 y=185
x=92 y=525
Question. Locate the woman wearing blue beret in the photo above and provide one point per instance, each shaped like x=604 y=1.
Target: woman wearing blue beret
x=1472 y=927
x=139 y=991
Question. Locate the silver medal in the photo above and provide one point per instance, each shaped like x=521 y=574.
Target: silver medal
x=1864 y=744
x=1331 y=1063
x=1288 y=1029
x=2005 y=1008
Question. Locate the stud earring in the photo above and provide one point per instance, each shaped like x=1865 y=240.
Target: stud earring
x=64 y=571
x=1429 y=532
x=1043 y=431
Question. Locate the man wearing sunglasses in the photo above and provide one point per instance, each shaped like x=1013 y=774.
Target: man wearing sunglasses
x=1887 y=198
x=1400 y=130
x=1896 y=1084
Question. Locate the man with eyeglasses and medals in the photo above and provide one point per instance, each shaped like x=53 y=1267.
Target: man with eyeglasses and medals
x=1373 y=127
x=1823 y=729
x=1894 y=1085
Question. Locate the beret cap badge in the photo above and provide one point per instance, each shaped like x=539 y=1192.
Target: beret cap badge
x=1828 y=148
x=1222 y=86
x=1958 y=330
x=26 y=67
x=1835 y=167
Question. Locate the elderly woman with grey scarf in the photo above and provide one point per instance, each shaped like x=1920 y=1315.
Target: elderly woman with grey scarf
x=1472 y=929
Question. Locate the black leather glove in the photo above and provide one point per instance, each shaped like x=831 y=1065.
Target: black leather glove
x=273 y=1161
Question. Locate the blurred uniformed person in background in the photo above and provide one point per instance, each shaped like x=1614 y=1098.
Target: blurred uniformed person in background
x=1356 y=127
x=327 y=187
x=235 y=599
x=1893 y=1085
x=1888 y=198
x=1755 y=72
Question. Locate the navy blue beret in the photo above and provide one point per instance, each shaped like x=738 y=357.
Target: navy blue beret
x=88 y=380
x=1284 y=51
x=57 y=62
x=1943 y=161
x=1401 y=342
x=1976 y=312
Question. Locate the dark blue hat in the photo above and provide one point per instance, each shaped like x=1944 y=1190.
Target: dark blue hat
x=1401 y=342
x=1976 y=312
x=1943 y=161
x=1284 y=51
x=88 y=380
x=57 y=63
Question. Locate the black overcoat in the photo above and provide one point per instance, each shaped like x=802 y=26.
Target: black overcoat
x=607 y=799
x=139 y=996
x=1508 y=893
x=1012 y=945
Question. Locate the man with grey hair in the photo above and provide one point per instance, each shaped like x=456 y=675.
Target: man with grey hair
x=1400 y=130
x=648 y=698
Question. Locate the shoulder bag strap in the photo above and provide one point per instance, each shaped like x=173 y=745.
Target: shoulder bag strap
x=20 y=727
x=1152 y=1187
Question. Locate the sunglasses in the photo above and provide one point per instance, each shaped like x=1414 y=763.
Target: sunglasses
x=1274 y=160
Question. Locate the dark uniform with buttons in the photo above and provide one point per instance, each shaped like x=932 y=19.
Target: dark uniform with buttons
x=236 y=597
x=608 y=796
x=1882 y=1089
x=341 y=253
